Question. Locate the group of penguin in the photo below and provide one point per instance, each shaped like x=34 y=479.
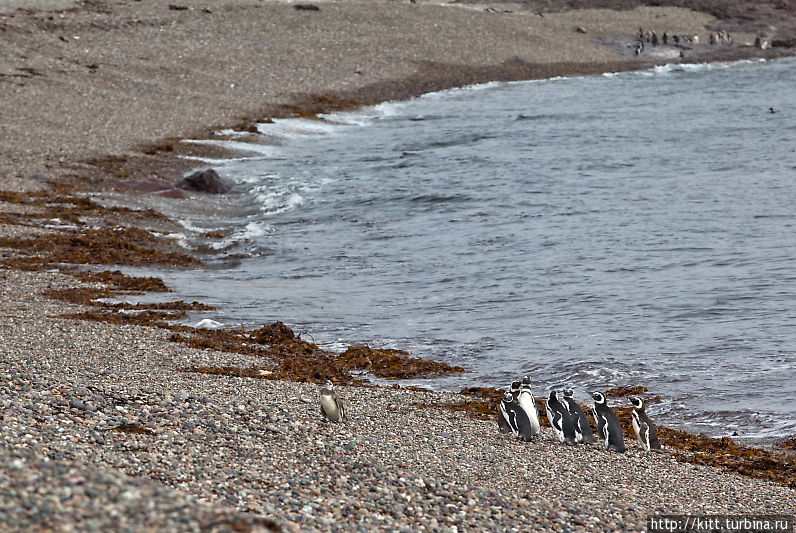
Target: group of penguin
x=519 y=415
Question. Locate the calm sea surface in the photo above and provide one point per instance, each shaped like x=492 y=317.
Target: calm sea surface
x=630 y=229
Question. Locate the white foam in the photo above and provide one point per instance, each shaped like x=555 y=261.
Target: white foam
x=297 y=127
x=467 y=88
x=208 y=324
x=277 y=201
x=263 y=149
x=250 y=231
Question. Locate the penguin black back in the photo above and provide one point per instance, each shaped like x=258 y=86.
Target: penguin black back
x=560 y=419
x=608 y=426
x=583 y=432
x=516 y=417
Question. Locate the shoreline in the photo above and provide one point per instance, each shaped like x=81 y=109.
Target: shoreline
x=86 y=415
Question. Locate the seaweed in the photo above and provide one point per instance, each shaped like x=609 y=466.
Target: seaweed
x=115 y=246
x=393 y=364
x=144 y=318
x=120 y=281
x=789 y=444
x=626 y=390
x=724 y=453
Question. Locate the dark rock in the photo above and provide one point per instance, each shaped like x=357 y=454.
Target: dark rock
x=306 y=7
x=77 y=404
x=204 y=181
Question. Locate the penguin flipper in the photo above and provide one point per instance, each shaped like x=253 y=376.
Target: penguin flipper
x=513 y=423
x=644 y=435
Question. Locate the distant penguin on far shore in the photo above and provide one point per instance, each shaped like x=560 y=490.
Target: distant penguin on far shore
x=583 y=432
x=645 y=430
x=332 y=407
x=608 y=426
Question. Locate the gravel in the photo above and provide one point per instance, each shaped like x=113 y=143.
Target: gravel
x=207 y=446
x=100 y=431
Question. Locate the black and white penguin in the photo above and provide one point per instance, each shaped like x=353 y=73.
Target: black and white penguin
x=639 y=48
x=516 y=417
x=503 y=424
x=583 y=432
x=332 y=407
x=527 y=401
x=515 y=390
x=607 y=424
x=560 y=419
x=643 y=426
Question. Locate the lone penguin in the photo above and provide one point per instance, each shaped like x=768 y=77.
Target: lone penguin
x=643 y=426
x=560 y=419
x=332 y=407
x=516 y=417
x=583 y=432
x=527 y=401
x=607 y=424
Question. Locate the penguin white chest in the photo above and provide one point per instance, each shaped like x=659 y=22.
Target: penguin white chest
x=636 y=425
x=330 y=408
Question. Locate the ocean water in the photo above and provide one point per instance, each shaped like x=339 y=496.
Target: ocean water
x=623 y=229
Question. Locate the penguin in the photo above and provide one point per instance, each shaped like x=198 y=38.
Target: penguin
x=560 y=419
x=607 y=424
x=583 y=431
x=503 y=424
x=527 y=401
x=516 y=417
x=515 y=390
x=332 y=407
x=639 y=48
x=643 y=426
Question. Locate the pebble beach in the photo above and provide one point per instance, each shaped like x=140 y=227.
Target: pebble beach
x=101 y=428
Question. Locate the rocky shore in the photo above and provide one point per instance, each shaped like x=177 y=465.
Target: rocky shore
x=102 y=427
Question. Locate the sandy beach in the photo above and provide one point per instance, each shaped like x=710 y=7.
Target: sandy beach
x=102 y=427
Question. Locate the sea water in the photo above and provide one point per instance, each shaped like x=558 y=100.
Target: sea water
x=623 y=229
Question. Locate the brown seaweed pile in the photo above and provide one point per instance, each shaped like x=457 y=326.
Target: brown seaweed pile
x=724 y=453
x=393 y=364
x=290 y=357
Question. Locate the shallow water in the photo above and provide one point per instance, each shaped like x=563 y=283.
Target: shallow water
x=628 y=229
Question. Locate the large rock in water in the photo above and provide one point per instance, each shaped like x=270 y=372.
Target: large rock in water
x=204 y=181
